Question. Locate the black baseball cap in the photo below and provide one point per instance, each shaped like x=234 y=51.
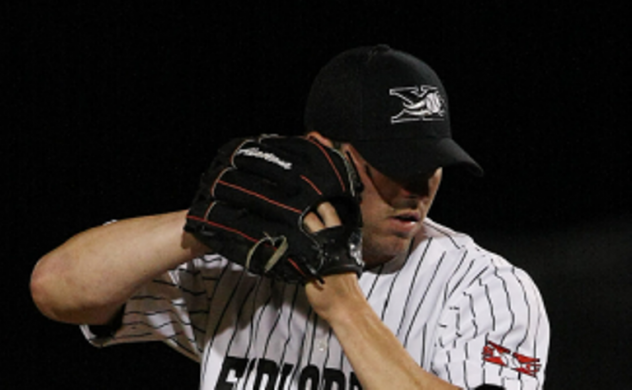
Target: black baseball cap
x=391 y=107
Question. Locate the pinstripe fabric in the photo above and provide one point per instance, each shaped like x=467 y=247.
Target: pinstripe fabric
x=445 y=301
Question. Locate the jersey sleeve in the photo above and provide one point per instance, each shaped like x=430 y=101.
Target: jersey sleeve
x=172 y=308
x=494 y=330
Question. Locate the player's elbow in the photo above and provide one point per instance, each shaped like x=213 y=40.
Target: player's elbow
x=44 y=285
x=63 y=292
x=50 y=289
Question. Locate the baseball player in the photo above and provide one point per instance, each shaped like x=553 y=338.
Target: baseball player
x=310 y=262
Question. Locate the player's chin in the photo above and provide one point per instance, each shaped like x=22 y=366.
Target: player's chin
x=400 y=240
x=385 y=247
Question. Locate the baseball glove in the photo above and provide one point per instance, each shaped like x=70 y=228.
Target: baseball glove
x=252 y=201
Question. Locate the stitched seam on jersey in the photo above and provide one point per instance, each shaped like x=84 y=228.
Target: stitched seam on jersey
x=289 y=337
x=379 y=273
x=216 y=283
x=239 y=313
x=330 y=332
x=457 y=331
x=221 y=317
x=311 y=348
x=300 y=350
x=447 y=366
x=160 y=312
x=446 y=294
x=192 y=273
x=276 y=321
x=448 y=235
x=252 y=317
x=267 y=303
x=526 y=301
x=513 y=315
x=412 y=285
x=489 y=301
x=474 y=322
x=423 y=298
x=390 y=289
x=209 y=301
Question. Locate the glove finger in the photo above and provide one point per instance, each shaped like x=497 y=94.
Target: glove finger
x=259 y=195
x=262 y=246
x=269 y=162
x=240 y=236
x=289 y=162
x=295 y=164
x=328 y=168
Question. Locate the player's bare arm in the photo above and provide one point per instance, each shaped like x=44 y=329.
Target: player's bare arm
x=88 y=278
x=378 y=358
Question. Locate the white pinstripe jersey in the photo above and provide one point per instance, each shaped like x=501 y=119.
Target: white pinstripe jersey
x=463 y=313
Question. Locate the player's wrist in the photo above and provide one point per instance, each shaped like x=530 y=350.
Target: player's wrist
x=350 y=316
x=339 y=299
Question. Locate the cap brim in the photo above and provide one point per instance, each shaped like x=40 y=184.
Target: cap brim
x=404 y=158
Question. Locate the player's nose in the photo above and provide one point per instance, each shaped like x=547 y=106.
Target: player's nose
x=418 y=188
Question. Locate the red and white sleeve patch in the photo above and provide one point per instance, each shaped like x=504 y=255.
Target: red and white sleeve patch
x=497 y=354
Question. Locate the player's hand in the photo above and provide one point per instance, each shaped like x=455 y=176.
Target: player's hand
x=331 y=298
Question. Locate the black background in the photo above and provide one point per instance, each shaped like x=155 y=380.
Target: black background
x=112 y=110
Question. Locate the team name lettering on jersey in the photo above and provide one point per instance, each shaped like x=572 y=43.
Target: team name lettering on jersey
x=270 y=376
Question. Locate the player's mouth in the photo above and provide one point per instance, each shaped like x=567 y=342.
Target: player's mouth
x=405 y=223
x=408 y=217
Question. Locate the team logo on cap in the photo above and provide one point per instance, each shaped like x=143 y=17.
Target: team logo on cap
x=422 y=103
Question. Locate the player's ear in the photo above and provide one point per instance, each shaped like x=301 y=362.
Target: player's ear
x=320 y=138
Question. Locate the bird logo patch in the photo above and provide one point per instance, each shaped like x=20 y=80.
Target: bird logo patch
x=419 y=103
x=497 y=354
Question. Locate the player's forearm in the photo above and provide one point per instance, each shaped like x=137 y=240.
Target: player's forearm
x=379 y=360
x=89 y=277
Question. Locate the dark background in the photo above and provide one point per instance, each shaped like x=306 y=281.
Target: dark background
x=112 y=110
